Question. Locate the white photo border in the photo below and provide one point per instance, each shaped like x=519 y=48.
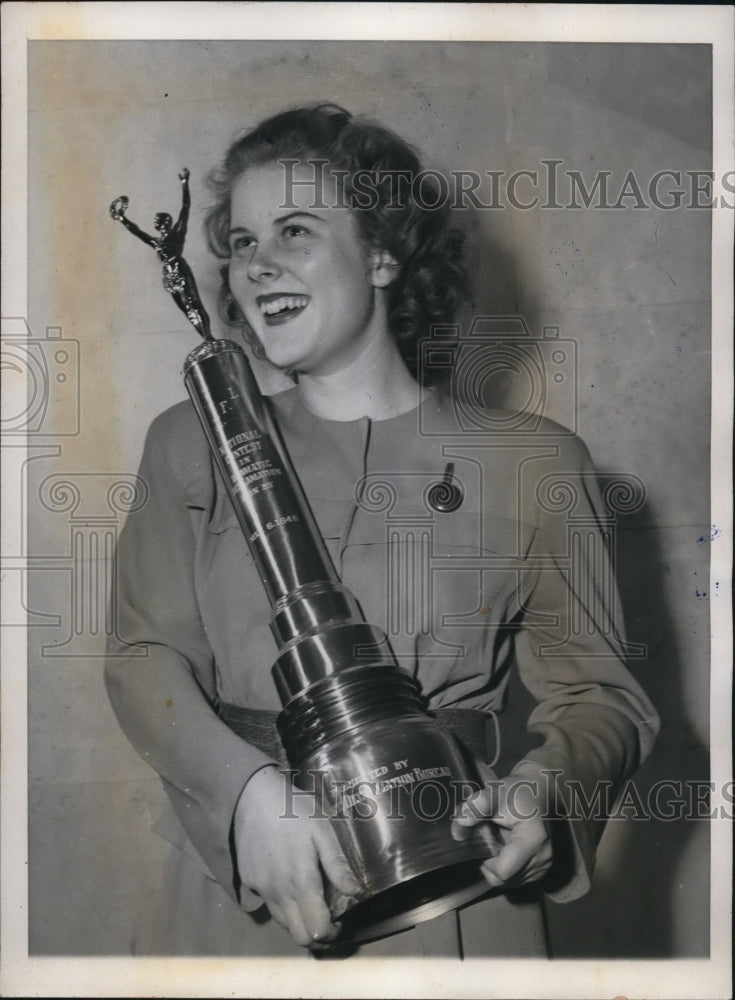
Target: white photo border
x=134 y=977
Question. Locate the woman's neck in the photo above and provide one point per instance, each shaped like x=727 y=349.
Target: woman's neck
x=377 y=384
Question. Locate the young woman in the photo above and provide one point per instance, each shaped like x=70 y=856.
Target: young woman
x=335 y=271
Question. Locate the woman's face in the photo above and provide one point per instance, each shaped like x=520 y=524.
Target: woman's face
x=301 y=276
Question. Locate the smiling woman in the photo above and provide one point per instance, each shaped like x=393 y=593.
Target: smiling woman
x=343 y=297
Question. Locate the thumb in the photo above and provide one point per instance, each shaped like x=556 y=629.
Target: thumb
x=335 y=864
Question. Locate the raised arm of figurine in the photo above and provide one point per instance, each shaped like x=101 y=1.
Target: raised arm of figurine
x=183 y=219
x=118 y=209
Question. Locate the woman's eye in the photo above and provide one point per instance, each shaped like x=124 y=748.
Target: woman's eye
x=238 y=244
x=293 y=230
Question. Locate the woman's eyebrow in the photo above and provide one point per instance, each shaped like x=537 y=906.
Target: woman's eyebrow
x=281 y=220
x=294 y=215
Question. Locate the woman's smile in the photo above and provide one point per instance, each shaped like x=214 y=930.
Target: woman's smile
x=280 y=308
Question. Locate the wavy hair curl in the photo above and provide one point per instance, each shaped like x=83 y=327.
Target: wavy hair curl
x=432 y=280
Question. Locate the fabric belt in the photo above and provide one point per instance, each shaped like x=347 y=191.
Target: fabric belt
x=472 y=728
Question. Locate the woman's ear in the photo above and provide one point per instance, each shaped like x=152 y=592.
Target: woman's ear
x=384 y=268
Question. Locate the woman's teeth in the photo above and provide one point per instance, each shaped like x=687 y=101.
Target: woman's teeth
x=284 y=302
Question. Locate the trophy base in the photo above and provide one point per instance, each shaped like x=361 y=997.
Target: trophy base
x=412 y=902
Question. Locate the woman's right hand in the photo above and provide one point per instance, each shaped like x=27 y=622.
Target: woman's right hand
x=282 y=857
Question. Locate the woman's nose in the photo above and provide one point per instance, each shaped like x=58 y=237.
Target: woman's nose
x=262 y=266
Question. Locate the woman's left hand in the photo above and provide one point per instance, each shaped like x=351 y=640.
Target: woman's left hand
x=517 y=807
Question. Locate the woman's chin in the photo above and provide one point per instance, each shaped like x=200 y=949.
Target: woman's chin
x=280 y=361
x=271 y=357
x=271 y=377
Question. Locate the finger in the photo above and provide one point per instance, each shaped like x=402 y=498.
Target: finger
x=485 y=833
x=461 y=831
x=295 y=923
x=515 y=807
x=480 y=807
x=276 y=912
x=315 y=915
x=309 y=895
x=514 y=866
x=538 y=866
x=493 y=838
x=335 y=864
x=514 y=857
x=534 y=873
x=526 y=876
x=534 y=869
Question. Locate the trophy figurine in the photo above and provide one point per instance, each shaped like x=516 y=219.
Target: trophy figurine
x=348 y=708
x=178 y=279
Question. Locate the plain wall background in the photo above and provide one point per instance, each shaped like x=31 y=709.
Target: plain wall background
x=631 y=287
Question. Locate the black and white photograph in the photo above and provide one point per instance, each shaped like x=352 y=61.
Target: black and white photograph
x=367 y=508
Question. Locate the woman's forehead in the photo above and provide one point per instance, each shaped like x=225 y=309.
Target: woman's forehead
x=287 y=185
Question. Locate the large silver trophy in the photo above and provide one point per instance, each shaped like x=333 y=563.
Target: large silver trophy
x=353 y=722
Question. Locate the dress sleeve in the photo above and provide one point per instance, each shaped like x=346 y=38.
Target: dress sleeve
x=595 y=722
x=160 y=671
